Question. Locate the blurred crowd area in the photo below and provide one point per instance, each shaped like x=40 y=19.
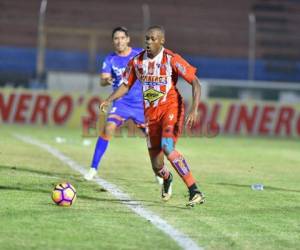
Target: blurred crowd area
x=220 y=38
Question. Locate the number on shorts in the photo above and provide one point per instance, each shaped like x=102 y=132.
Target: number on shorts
x=113 y=110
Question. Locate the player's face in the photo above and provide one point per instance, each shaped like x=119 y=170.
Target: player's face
x=120 y=41
x=154 y=40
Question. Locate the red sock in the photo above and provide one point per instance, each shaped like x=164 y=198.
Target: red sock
x=179 y=164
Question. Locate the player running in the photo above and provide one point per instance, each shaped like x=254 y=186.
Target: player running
x=130 y=106
x=158 y=70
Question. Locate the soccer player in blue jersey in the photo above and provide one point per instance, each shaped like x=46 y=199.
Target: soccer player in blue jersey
x=129 y=106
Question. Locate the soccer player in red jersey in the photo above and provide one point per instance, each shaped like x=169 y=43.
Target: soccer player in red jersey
x=158 y=70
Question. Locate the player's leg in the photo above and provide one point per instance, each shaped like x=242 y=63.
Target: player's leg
x=171 y=129
x=102 y=144
x=103 y=140
x=138 y=117
x=157 y=160
x=113 y=121
x=160 y=170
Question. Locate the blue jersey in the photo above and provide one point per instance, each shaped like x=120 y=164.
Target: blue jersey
x=116 y=65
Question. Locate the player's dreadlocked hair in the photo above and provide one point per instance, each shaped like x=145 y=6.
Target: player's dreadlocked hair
x=120 y=28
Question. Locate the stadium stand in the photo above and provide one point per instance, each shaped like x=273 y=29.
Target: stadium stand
x=213 y=35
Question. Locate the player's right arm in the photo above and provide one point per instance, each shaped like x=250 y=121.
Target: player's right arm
x=106 y=73
x=129 y=77
x=122 y=90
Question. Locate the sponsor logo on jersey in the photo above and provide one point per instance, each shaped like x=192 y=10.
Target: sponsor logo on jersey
x=151 y=95
x=118 y=71
x=154 y=79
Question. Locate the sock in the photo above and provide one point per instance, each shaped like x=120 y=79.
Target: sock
x=163 y=173
x=193 y=189
x=179 y=164
x=100 y=149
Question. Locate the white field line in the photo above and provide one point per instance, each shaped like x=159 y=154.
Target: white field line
x=181 y=239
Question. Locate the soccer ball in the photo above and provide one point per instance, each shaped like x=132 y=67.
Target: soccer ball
x=64 y=194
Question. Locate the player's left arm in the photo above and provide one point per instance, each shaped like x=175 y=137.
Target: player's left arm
x=193 y=114
x=188 y=73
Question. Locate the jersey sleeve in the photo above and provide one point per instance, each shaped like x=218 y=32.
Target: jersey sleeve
x=129 y=75
x=106 y=65
x=137 y=50
x=183 y=68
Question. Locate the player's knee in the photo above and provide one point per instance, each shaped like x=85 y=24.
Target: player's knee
x=167 y=145
x=109 y=129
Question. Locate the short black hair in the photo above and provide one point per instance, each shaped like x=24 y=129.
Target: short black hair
x=120 y=28
x=157 y=27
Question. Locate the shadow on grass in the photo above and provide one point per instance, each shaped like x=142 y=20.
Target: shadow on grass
x=60 y=175
x=78 y=179
x=132 y=180
x=85 y=197
x=40 y=172
x=265 y=188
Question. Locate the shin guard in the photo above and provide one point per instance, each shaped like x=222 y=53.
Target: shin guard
x=179 y=164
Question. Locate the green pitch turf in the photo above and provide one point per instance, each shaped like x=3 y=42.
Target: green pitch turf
x=234 y=216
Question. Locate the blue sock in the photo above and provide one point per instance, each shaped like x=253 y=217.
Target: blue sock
x=99 y=152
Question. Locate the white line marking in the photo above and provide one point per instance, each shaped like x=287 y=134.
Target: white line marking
x=182 y=240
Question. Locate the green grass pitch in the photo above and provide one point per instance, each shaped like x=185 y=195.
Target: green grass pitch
x=234 y=216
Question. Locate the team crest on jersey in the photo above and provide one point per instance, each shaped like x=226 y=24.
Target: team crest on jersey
x=151 y=95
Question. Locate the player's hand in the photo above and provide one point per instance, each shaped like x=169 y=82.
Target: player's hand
x=110 y=81
x=106 y=81
x=104 y=106
x=192 y=118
